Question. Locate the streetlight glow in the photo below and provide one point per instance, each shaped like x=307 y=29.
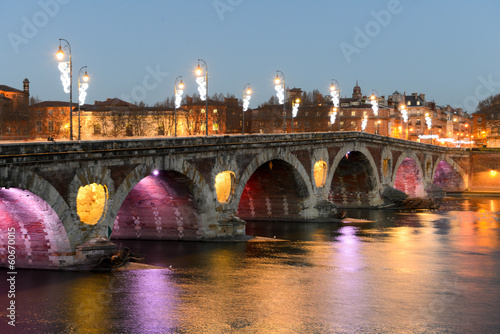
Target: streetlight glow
x=281 y=94
x=203 y=89
x=60 y=54
x=178 y=99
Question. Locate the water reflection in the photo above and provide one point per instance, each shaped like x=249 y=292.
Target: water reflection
x=414 y=272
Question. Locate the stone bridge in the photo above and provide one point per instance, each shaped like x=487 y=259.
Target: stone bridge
x=58 y=198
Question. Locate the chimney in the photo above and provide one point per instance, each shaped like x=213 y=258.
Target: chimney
x=26 y=86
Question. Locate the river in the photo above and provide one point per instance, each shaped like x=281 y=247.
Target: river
x=419 y=272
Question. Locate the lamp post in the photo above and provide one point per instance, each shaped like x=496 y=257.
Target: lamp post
x=199 y=72
x=80 y=100
x=178 y=99
x=335 y=93
x=277 y=81
x=247 y=92
x=60 y=56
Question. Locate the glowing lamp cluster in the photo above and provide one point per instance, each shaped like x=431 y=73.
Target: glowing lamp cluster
x=82 y=93
x=364 y=122
x=404 y=114
x=374 y=105
x=224 y=186
x=428 y=121
x=91 y=203
x=246 y=99
x=178 y=94
x=65 y=79
x=336 y=100
x=280 y=93
x=202 y=83
x=295 y=108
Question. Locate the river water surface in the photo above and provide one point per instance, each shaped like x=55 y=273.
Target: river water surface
x=420 y=272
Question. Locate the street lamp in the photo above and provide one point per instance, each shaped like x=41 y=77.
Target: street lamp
x=335 y=93
x=428 y=121
x=295 y=109
x=178 y=99
x=404 y=114
x=60 y=57
x=198 y=73
x=81 y=94
x=281 y=83
x=247 y=94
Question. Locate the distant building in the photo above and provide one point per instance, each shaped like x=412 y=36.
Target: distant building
x=14 y=113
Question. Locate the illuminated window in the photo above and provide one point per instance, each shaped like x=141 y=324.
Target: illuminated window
x=353 y=113
x=51 y=126
x=224 y=186
x=215 y=127
x=320 y=169
x=91 y=203
x=215 y=111
x=50 y=112
x=202 y=111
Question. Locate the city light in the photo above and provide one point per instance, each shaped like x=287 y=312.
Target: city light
x=178 y=94
x=404 y=113
x=295 y=108
x=82 y=89
x=64 y=68
x=374 y=102
x=246 y=99
x=428 y=121
x=364 y=122
x=280 y=92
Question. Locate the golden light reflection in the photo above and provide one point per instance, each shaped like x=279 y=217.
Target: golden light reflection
x=320 y=169
x=224 y=186
x=91 y=203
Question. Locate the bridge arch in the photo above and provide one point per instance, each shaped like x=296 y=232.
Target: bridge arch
x=361 y=188
x=274 y=185
x=408 y=175
x=448 y=175
x=34 y=211
x=172 y=198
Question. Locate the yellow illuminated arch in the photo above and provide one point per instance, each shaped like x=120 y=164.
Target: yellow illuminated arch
x=320 y=169
x=224 y=186
x=91 y=203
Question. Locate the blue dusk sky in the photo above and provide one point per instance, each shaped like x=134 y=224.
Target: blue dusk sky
x=134 y=50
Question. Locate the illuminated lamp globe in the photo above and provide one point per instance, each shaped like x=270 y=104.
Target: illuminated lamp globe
x=60 y=54
x=86 y=77
x=249 y=91
x=277 y=80
x=198 y=71
x=181 y=85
